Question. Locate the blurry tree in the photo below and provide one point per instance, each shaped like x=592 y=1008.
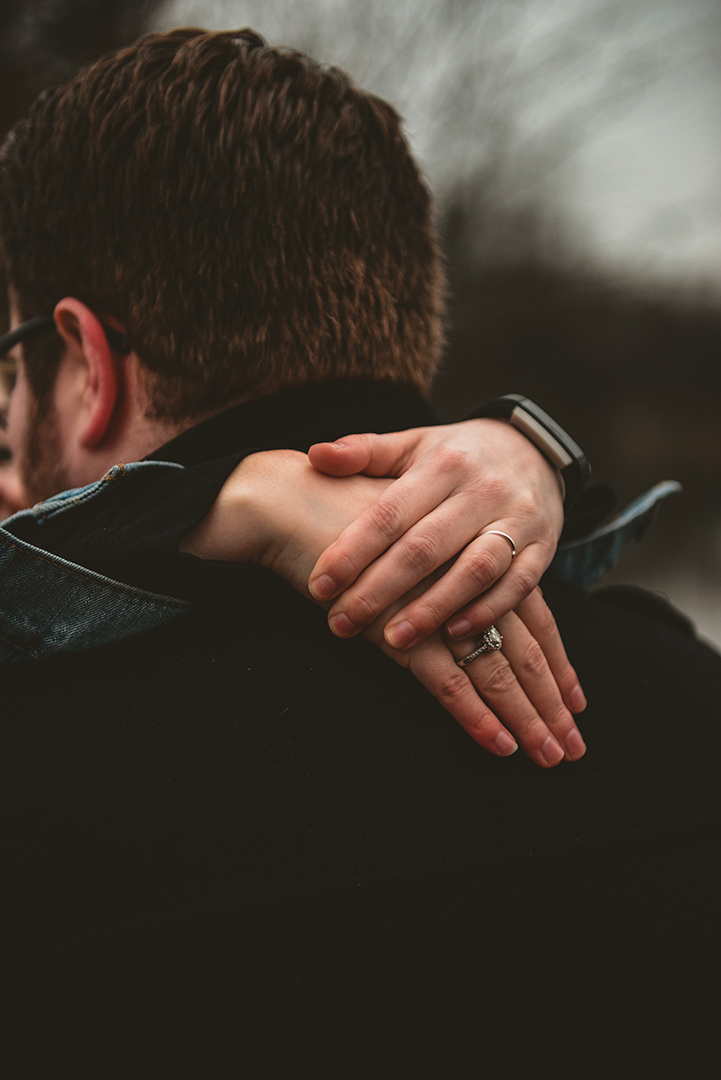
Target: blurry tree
x=43 y=42
x=500 y=96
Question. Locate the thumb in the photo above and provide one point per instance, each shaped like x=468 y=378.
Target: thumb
x=373 y=455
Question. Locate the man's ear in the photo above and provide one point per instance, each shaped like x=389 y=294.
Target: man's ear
x=96 y=368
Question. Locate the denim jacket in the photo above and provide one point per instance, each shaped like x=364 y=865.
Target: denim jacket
x=50 y=605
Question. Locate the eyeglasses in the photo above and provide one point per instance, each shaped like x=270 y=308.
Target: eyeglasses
x=37 y=327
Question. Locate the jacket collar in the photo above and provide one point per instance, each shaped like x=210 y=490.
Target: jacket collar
x=294 y=419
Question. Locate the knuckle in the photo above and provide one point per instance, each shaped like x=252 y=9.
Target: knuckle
x=500 y=679
x=566 y=677
x=419 y=553
x=481 y=570
x=547 y=621
x=427 y=615
x=526 y=579
x=526 y=505
x=338 y=564
x=385 y=518
x=496 y=489
x=451 y=460
x=533 y=661
x=362 y=441
x=480 y=615
x=479 y=727
x=361 y=608
x=559 y=719
x=453 y=685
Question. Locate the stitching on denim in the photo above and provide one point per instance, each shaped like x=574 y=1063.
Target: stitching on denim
x=59 y=505
x=88 y=493
x=117 y=587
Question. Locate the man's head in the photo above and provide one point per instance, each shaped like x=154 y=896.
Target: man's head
x=250 y=219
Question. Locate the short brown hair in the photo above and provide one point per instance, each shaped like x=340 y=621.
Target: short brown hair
x=253 y=219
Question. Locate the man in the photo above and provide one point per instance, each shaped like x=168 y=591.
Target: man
x=214 y=223
x=408 y=288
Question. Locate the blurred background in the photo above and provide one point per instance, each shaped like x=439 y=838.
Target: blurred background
x=573 y=146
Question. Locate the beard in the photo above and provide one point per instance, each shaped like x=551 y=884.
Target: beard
x=39 y=461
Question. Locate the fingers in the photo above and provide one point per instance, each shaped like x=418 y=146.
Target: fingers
x=506 y=698
x=538 y=618
x=502 y=699
x=433 y=665
x=484 y=566
x=482 y=563
x=376 y=455
x=444 y=530
x=453 y=484
x=517 y=683
x=507 y=593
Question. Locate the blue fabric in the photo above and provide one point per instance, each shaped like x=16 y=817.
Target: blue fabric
x=69 y=500
x=585 y=562
x=50 y=605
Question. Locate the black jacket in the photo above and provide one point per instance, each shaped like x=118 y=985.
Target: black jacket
x=243 y=792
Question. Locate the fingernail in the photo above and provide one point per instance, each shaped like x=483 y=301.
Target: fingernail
x=575 y=746
x=322 y=587
x=401 y=635
x=459 y=628
x=577 y=699
x=341 y=625
x=505 y=744
x=551 y=751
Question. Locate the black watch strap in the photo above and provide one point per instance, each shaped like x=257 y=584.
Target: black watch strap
x=554 y=443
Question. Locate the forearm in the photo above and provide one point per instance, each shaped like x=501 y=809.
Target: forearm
x=276 y=511
x=279 y=512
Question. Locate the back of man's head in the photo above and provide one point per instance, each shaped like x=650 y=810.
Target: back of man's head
x=252 y=219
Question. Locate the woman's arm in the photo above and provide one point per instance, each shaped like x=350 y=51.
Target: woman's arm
x=458 y=486
x=277 y=511
x=520 y=684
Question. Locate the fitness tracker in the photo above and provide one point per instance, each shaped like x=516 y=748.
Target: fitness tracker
x=554 y=443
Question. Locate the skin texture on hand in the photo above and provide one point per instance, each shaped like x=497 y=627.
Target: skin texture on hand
x=276 y=510
x=454 y=483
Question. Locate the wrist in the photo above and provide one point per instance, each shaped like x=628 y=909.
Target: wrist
x=238 y=526
x=534 y=485
x=530 y=461
x=549 y=438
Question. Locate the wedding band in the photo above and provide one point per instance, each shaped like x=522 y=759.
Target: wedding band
x=489 y=641
x=497 y=532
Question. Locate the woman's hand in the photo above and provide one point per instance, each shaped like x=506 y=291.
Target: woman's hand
x=454 y=484
x=277 y=511
x=508 y=696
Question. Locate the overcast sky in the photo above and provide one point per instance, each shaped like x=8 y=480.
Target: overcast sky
x=611 y=108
